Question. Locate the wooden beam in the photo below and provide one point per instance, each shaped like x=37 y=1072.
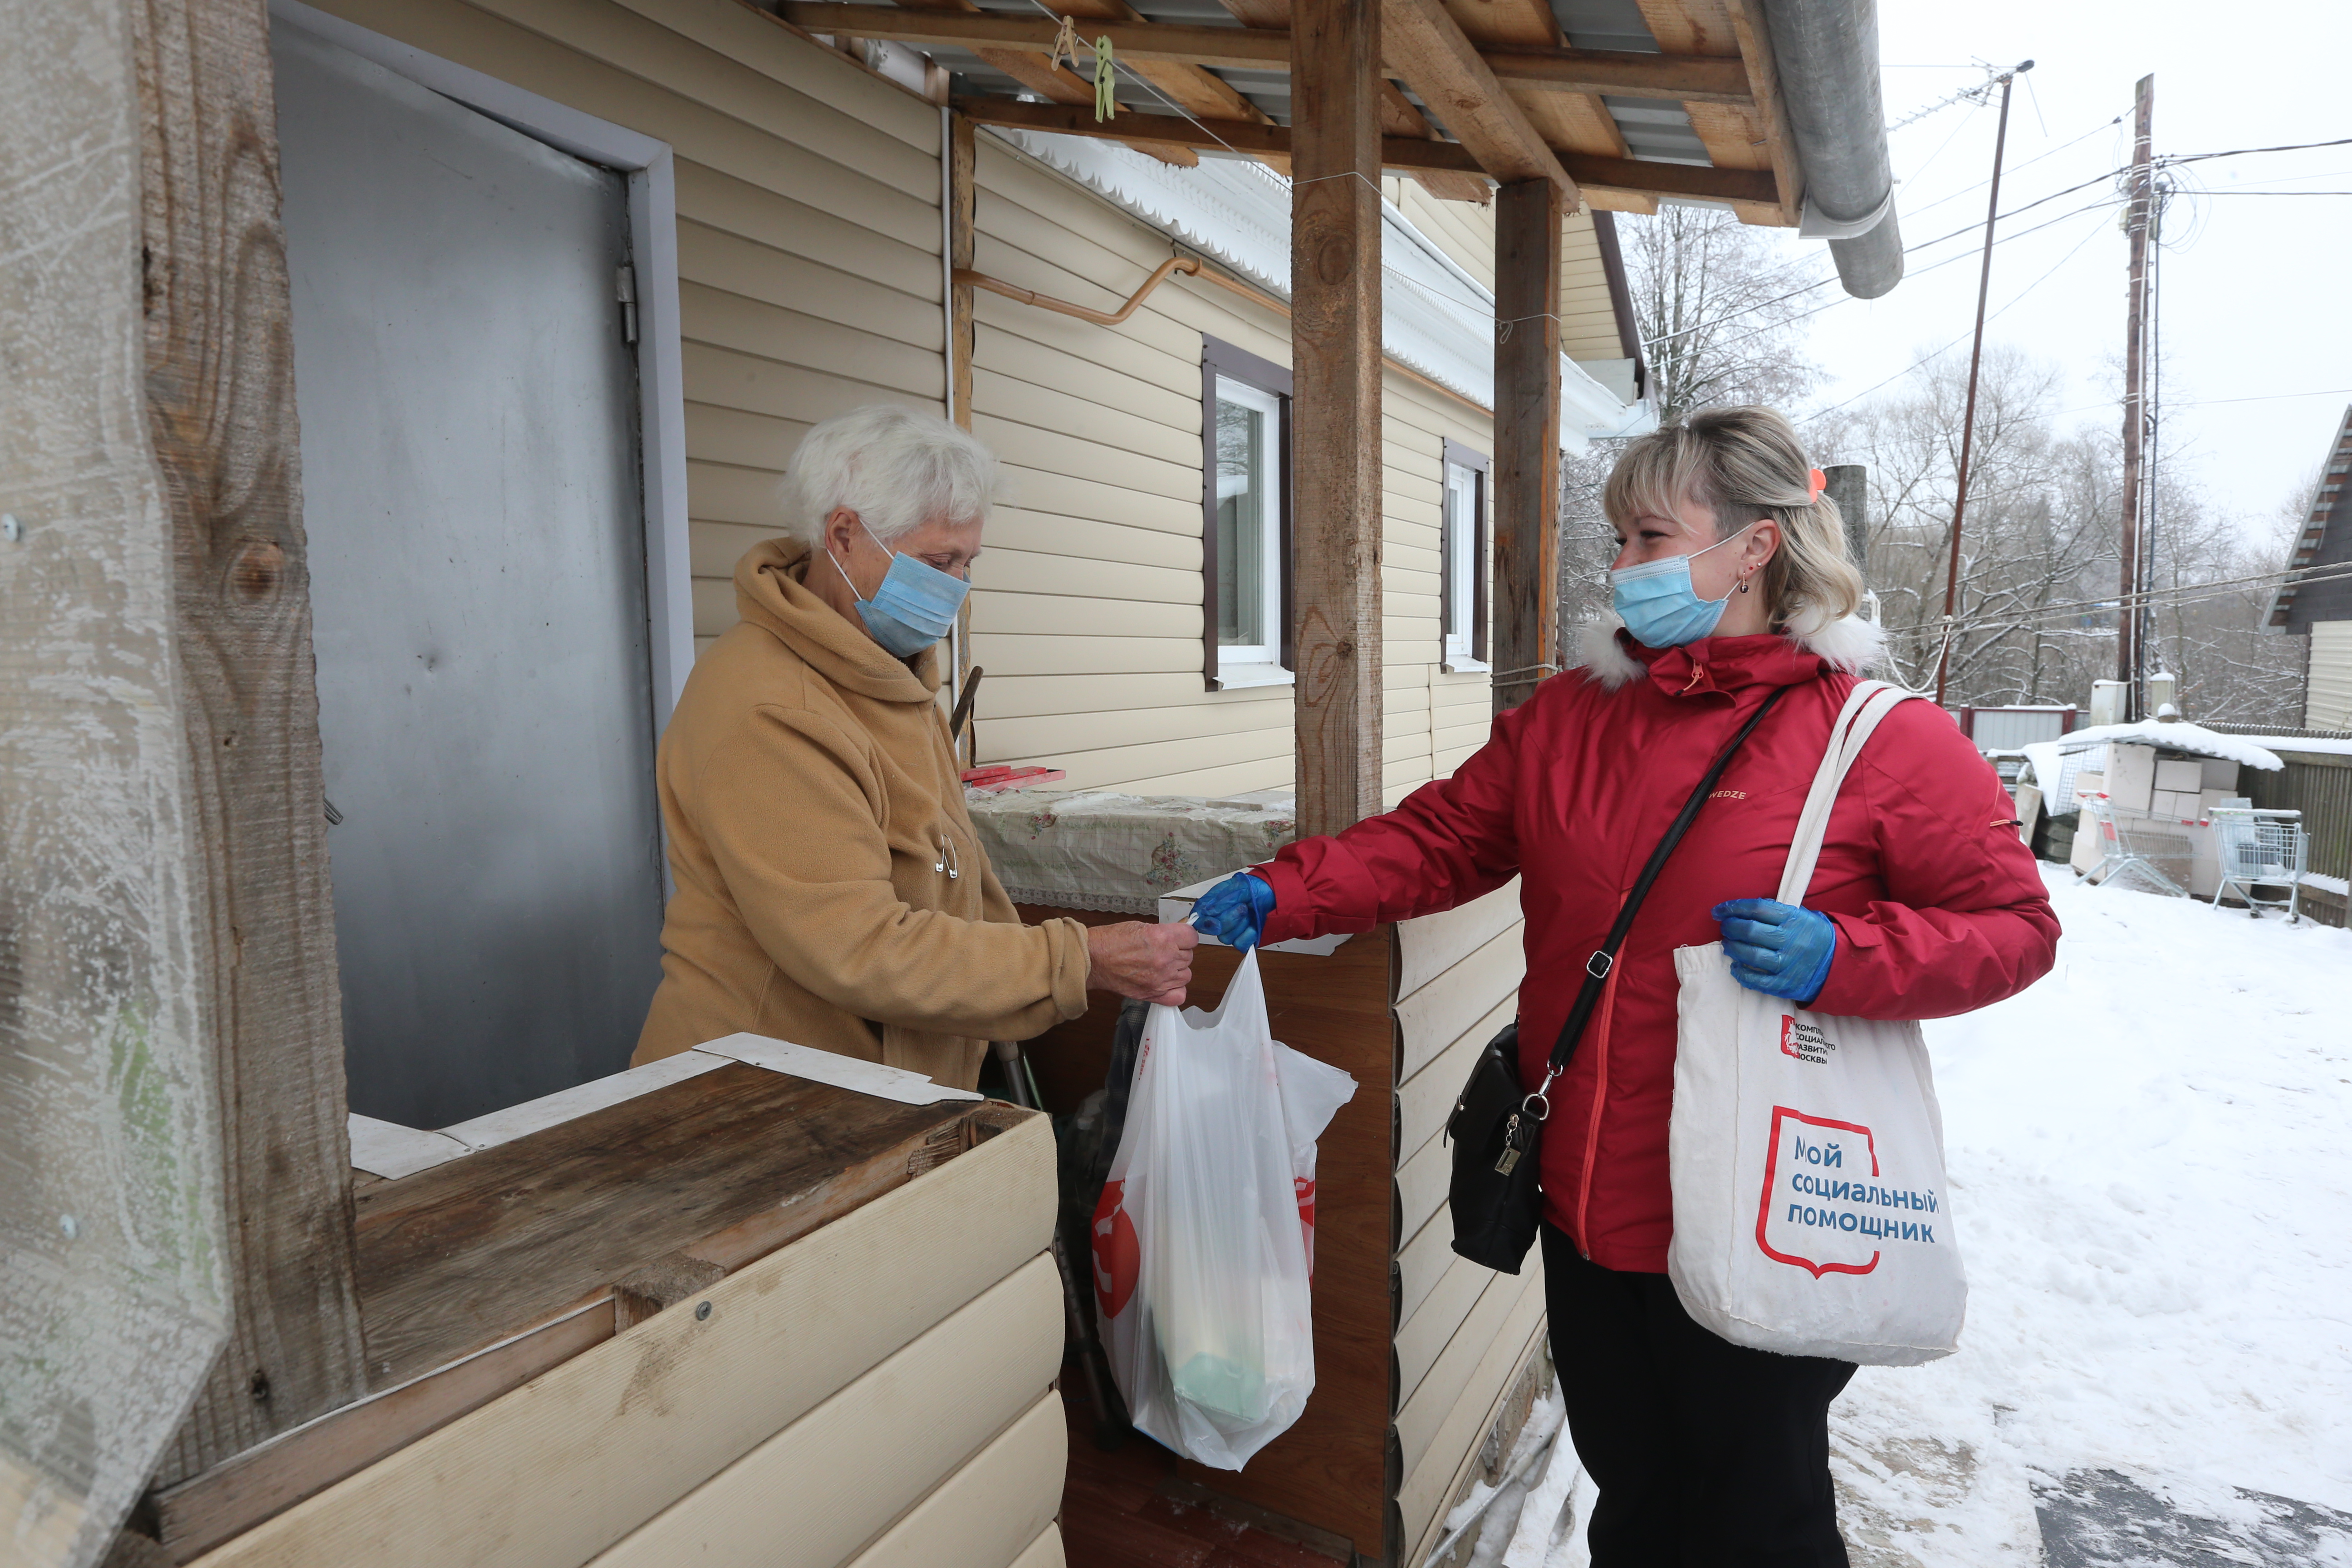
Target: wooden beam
x=1526 y=634
x=220 y=393
x=1764 y=84
x=1399 y=118
x=962 y=245
x=1033 y=69
x=1335 y=446
x=1644 y=177
x=1627 y=74
x=1403 y=153
x=1429 y=50
x=1239 y=48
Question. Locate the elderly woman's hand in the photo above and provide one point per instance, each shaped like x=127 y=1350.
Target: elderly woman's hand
x=1137 y=958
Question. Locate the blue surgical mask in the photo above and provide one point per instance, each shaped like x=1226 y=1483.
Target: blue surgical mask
x=1658 y=604
x=915 y=607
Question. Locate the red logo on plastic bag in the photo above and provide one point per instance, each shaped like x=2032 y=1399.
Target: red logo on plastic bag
x=1303 y=1187
x=1117 y=1255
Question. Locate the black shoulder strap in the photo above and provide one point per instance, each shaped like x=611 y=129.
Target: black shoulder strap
x=1597 y=967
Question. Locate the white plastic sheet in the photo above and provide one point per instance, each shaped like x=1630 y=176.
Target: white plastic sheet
x=1203 y=1239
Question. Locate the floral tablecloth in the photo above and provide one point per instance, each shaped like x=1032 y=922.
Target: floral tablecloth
x=1094 y=849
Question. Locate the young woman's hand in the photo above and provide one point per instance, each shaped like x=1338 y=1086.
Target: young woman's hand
x=1779 y=949
x=1135 y=958
x=1235 y=911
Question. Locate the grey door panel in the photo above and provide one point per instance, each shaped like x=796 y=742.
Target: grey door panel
x=470 y=485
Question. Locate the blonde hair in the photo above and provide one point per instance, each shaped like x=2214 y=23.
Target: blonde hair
x=1745 y=463
x=896 y=469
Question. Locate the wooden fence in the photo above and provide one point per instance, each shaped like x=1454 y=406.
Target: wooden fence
x=2318 y=784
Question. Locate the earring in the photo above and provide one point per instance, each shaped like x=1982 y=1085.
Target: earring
x=1743 y=585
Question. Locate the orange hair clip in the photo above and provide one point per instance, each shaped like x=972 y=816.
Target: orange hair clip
x=1820 y=482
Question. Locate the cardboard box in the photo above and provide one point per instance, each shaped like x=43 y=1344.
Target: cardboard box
x=2208 y=799
x=2219 y=773
x=2181 y=775
x=2131 y=775
x=2164 y=804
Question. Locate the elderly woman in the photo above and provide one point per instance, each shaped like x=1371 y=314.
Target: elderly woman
x=830 y=889
x=1732 y=582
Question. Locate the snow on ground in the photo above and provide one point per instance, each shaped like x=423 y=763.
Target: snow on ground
x=2150 y=1155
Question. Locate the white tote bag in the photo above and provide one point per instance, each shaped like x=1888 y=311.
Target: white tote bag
x=1812 y=1215
x=1203 y=1239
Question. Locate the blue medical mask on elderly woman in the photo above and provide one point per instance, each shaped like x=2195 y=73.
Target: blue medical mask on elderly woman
x=915 y=607
x=1659 y=606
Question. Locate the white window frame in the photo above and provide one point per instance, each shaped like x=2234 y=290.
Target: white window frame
x=646 y=165
x=1234 y=376
x=1235 y=658
x=1464 y=530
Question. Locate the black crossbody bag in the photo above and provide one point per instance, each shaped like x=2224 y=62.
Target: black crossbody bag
x=1496 y=1127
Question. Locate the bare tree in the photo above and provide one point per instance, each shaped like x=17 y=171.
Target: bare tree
x=1707 y=293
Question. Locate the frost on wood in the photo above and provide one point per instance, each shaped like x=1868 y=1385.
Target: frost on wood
x=111 y=1294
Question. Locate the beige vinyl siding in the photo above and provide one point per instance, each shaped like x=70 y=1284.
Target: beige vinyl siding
x=2328 y=701
x=1587 y=322
x=1087 y=608
x=808 y=232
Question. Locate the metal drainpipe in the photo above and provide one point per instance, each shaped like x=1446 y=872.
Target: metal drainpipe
x=1827 y=51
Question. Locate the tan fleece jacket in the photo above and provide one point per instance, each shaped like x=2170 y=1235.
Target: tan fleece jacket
x=815 y=815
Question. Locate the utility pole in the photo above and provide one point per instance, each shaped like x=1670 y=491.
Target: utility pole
x=2139 y=213
x=1976 y=358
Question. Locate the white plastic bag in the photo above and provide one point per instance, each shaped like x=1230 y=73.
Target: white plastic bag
x=1807 y=1151
x=1203 y=1239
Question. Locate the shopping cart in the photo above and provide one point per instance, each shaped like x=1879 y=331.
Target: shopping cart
x=2260 y=847
x=2136 y=850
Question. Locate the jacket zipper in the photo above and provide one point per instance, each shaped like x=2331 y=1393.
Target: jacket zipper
x=1592 y=1124
x=1600 y=1086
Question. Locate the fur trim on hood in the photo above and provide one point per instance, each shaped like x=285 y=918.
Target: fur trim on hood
x=1851 y=645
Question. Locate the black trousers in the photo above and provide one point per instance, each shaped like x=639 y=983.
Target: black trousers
x=1706 y=1454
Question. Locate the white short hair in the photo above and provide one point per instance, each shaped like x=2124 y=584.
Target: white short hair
x=896 y=469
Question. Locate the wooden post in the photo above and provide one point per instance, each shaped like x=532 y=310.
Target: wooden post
x=220 y=402
x=961 y=243
x=1526 y=637
x=1335 y=337
x=2139 y=214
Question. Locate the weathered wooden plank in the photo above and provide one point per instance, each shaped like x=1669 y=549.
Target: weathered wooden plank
x=1405 y=154
x=1426 y=1100
x=220 y=393
x=1421 y=1177
x=464 y=1254
x=849 y=1468
x=1452 y=1379
x=1424 y=1337
x=200 y=1513
x=1428 y=947
x=1427 y=46
x=1335 y=300
x=1420 y=1499
x=1526 y=636
x=564 y=1467
x=963 y=161
x=995 y=1510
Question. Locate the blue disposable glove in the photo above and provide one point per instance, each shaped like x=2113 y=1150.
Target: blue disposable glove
x=1235 y=911
x=1777 y=948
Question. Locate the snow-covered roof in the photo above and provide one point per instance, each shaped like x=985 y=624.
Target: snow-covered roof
x=2178 y=735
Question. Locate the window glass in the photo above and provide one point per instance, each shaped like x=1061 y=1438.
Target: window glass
x=1249 y=522
x=1462 y=562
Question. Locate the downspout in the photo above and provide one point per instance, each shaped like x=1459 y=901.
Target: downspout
x=1827 y=52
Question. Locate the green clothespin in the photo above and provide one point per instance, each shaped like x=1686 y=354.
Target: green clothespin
x=1106 y=79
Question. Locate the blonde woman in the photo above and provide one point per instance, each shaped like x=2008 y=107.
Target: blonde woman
x=1732 y=582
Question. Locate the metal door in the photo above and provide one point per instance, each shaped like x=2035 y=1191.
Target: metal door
x=470 y=490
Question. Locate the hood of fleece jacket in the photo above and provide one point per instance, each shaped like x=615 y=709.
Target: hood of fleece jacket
x=1609 y=651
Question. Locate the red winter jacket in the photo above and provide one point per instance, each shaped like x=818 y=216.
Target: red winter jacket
x=1940 y=909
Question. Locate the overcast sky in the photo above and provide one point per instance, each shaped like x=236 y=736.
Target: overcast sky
x=2255 y=298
